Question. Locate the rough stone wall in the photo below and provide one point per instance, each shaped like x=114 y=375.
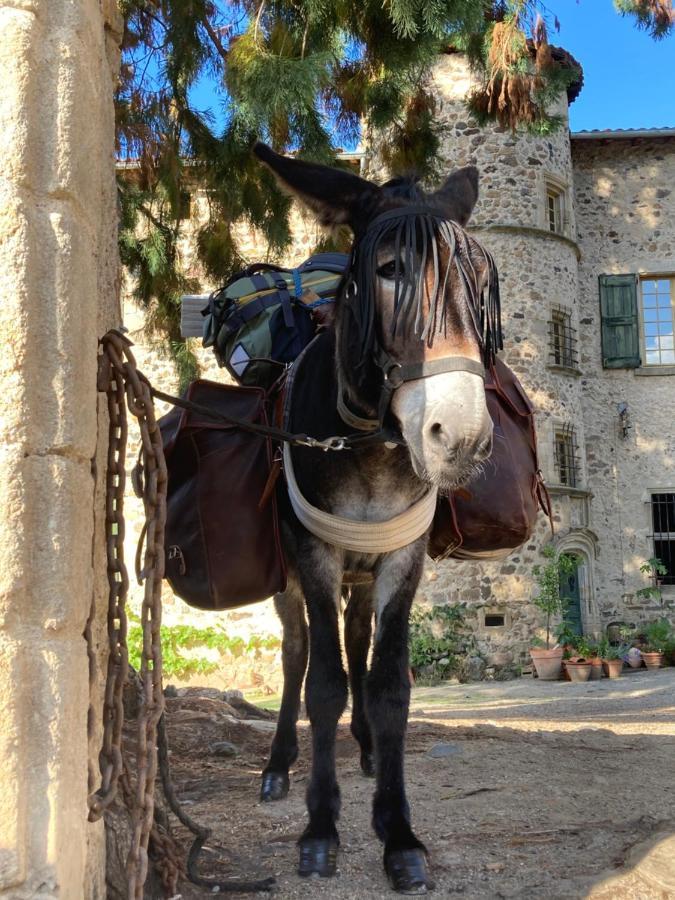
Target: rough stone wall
x=625 y=199
x=537 y=270
x=58 y=257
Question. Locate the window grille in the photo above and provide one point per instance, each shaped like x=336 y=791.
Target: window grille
x=566 y=455
x=562 y=339
x=663 y=519
x=658 y=320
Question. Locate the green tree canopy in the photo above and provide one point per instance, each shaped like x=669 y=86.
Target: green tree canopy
x=302 y=75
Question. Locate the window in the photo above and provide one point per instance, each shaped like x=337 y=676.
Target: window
x=566 y=455
x=562 y=339
x=663 y=519
x=555 y=207
x=657 y=319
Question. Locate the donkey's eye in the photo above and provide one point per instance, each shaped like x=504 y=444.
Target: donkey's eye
x=388 y=270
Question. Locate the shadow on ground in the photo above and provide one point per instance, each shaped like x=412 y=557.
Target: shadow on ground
x=519 y=790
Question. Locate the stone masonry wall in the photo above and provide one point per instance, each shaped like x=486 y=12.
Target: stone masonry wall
x=537 y=270
x=58 y=256
x=625 y=200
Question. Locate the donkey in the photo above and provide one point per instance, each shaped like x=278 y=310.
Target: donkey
x=416 y=320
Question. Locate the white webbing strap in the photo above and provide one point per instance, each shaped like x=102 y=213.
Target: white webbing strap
x=351 y=534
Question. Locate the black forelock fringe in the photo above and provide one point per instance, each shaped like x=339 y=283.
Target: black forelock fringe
x=416 y=232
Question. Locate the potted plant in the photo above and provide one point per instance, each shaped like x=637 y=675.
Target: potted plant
x=592 y=655
x=612 y=657
x=579 y=669
x=657 y=635
x=655 y=570
x=566 y=637
x=548 y=660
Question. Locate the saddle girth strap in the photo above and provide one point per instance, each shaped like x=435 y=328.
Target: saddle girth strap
x=355 y=535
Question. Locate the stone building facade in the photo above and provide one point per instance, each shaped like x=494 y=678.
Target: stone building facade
x=557 y=212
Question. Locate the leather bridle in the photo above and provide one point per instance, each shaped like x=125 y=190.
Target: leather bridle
x=394 y=373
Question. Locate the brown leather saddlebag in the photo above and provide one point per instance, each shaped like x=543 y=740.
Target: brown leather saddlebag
x=497 y=511
x=222 y=544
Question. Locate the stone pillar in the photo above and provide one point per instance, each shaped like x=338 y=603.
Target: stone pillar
x=59 y=267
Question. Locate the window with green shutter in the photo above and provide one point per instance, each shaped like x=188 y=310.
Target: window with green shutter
x=620 y=330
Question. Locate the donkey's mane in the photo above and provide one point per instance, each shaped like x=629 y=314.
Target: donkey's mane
x=417 y=235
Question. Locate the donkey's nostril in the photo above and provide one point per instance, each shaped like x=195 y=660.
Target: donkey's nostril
x=445 y=438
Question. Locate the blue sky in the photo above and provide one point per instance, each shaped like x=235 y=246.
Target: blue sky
x=629 y=79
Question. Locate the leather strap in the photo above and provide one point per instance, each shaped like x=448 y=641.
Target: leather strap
x=347 y=415
x=395 y=375
x=352 y=534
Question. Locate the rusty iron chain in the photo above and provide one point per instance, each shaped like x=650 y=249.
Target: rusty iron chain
x=125 y=386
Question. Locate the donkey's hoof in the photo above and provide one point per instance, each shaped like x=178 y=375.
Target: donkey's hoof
x=318 y=856
x=408 y=871
x=368 y=765
x=274 y=786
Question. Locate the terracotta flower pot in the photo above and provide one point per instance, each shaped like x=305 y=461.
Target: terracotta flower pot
x=653 y=660
x=596 y=668
x=612 y=667
x=570 y=659
x=548 y=663
x=579 y=671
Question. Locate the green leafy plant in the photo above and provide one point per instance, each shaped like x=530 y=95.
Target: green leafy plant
x=565 y=634
x=591 y=647
x=611 y=651
x=176 y=639
x=657 y=636
x=655 y=569
x=628 y=634
x=436 y=641
x=548 y=578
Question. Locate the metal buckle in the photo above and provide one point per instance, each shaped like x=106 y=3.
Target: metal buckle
x=393 y=377
x=330 y=443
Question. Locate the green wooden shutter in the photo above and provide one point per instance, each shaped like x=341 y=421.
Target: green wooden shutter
x=620 y=330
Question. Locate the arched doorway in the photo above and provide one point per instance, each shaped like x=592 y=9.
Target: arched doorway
x=579 y=586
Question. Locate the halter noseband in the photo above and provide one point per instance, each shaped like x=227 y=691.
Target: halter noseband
x=486 y=319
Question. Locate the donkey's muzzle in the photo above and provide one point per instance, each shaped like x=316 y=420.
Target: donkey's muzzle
x=453 y=445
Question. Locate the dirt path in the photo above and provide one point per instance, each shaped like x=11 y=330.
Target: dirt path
x=523 y=790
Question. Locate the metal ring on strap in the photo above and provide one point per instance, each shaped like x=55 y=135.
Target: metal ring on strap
x=352 y=534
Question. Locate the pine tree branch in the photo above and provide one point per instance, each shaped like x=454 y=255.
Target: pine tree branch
x=215 y=39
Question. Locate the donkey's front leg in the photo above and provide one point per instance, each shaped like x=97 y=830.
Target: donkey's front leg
x=326 y=698
x=388 y=699
x=358 y=628
x=290 y=608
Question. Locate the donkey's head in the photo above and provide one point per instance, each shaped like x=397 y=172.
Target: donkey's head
x=418 y=312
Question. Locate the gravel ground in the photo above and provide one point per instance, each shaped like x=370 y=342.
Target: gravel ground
x=523 y=789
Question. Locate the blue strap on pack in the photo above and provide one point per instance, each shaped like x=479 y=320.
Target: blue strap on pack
x=298 y=283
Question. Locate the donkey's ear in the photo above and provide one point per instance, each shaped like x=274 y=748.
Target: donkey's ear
x=459 y=193
x=336 y=197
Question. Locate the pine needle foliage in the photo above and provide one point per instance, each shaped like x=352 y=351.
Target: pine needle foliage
x=655 y=16
x=302 y=75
